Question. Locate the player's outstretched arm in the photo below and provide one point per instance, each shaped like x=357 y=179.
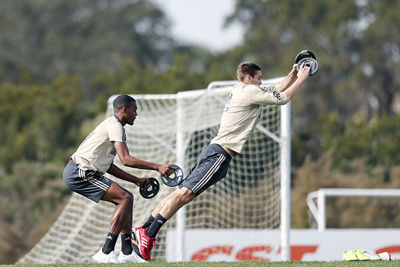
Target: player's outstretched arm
x=117 y=172
x=130 y=161
x=288 y=80
x=302 y=75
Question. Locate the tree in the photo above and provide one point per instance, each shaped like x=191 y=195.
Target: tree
x=46 y=39
x=30 y=200
x=380 y=55
x=356 y=44
x=39 y=122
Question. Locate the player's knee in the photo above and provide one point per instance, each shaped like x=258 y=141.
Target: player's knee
x=186 y=195
x=189 y=198
x=127 y=197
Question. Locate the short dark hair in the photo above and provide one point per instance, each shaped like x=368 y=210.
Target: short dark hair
x=245 y=68
x=123 y=101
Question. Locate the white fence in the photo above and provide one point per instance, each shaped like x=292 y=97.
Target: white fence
x=319 y=211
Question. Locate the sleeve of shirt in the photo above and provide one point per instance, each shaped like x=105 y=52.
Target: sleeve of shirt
x=267 y=95
x=276 y=86
x=115 y=132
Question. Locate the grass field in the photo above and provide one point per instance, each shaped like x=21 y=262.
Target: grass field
x=233 y=264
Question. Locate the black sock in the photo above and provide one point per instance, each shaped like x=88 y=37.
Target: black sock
x=109 y=245
x=148 y=222
x=126 y=243
x=155 y=226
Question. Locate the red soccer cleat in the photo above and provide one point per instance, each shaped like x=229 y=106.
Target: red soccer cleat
x=142 y=243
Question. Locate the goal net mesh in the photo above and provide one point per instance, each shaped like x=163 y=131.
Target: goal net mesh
x=248 y=197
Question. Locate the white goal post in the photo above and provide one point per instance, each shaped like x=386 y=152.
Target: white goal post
x=173 y=128
x=319 y=211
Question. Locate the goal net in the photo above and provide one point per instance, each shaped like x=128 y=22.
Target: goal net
x=174 y=128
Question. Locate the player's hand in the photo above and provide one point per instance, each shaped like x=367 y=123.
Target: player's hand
x=166 y=170
x=303 y=72
x=141 y=180
x=294 y=68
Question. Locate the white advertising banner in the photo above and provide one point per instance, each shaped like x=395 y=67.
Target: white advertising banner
x=264 y=245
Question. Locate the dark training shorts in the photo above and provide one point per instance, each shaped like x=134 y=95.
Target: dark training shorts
x=211 y=166
x=88 y=183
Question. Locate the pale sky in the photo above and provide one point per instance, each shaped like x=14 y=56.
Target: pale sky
x=201 y=22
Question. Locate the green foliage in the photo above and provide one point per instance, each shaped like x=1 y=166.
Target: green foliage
x=356 y=44
x=38 y=121
x=46 y=39
x=30 y=199
x=132 y=78
x=33 y=189
x=376 y=141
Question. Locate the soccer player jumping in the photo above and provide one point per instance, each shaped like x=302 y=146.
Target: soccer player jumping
x=239 y=118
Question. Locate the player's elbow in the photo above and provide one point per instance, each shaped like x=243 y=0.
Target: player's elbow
x=283 y=98
x=284 y=102
x=126 y=160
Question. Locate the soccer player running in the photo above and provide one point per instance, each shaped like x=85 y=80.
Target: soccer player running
x=84 y=174
x=239 y=118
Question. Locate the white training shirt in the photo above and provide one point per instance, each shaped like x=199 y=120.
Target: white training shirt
x=97 y=151
x=242 y=111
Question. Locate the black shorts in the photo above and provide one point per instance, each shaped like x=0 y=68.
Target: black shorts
x=89 y=183
x=211 y=166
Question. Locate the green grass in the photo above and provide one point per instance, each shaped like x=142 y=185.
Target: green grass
x=232 y=264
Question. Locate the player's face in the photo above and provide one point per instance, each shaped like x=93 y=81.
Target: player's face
x=131 y=114
x=256 y=79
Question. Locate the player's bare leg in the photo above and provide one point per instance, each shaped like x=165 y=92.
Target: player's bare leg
x=145 y=237
x=172 y=203
x=122 y=216
x=163 y=202
x=120 y=220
